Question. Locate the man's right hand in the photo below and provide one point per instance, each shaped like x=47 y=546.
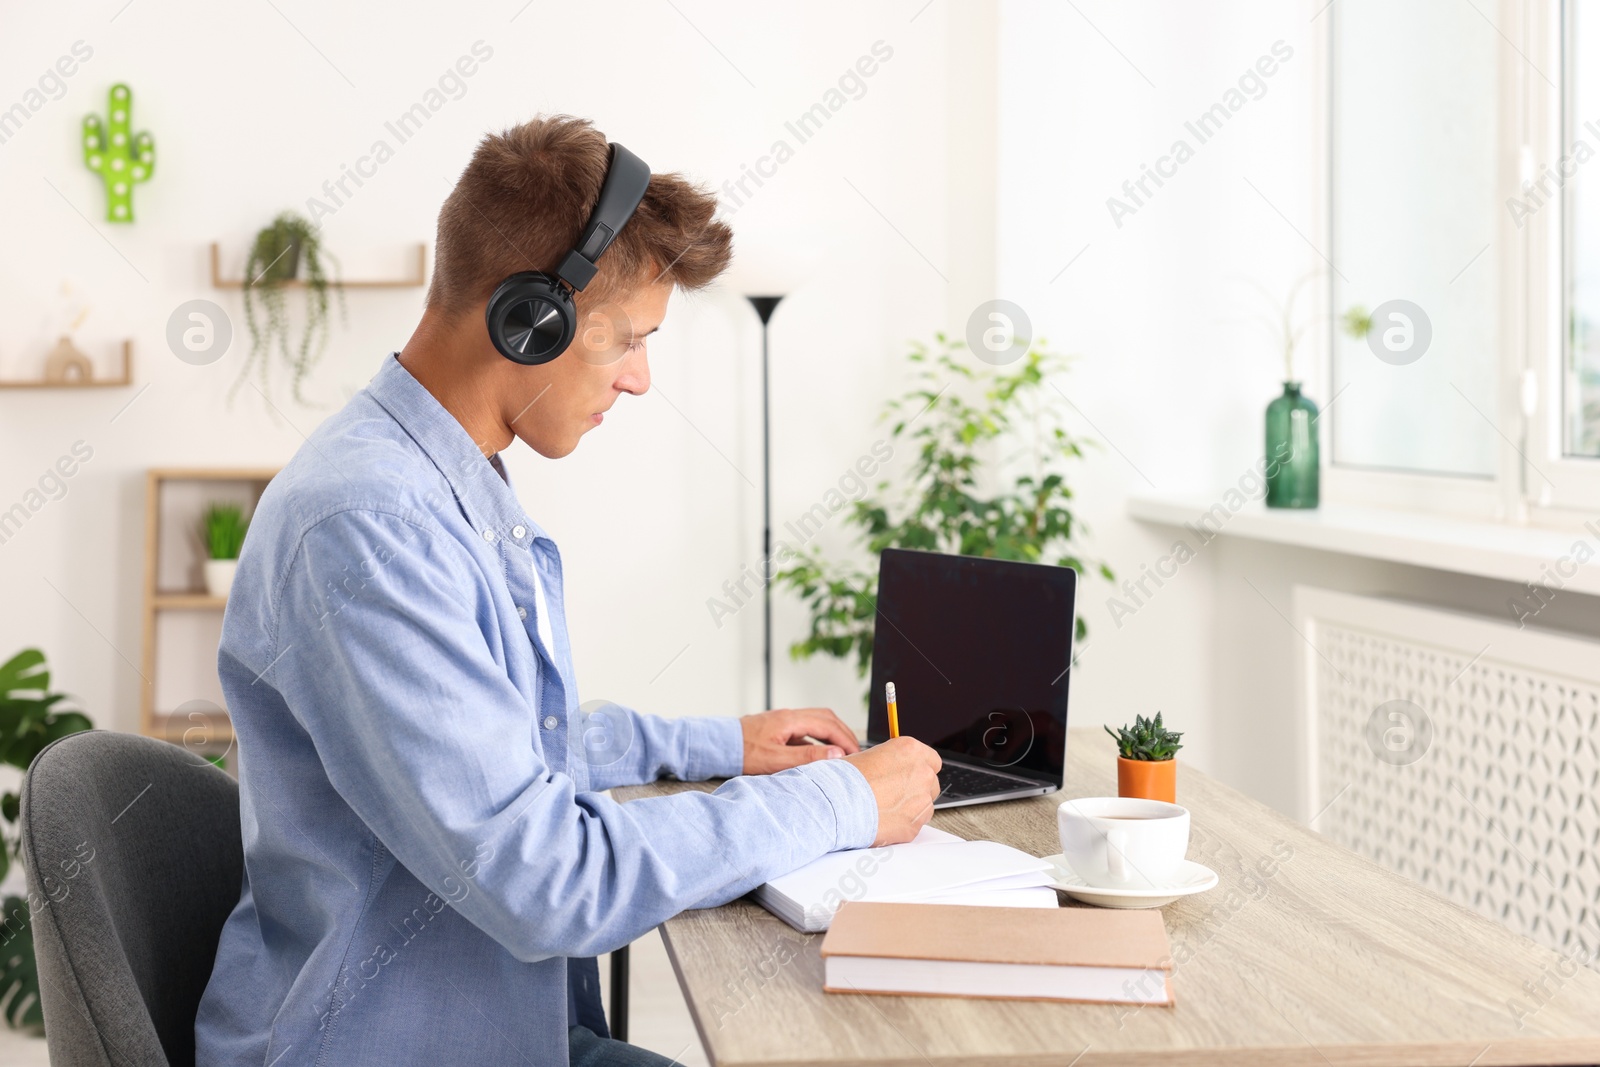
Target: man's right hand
x=904 y=775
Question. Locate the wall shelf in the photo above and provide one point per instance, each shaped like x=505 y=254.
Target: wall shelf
x=79 y=383
x=174 y=497
x=189 y=602
x=180 y=731
x=417 y=280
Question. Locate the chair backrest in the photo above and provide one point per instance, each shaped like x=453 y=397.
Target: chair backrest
x=134 y=862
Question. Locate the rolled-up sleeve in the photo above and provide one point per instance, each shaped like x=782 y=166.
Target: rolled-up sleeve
x=425 y=736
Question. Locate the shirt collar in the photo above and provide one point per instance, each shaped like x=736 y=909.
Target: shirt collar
x=485 y=495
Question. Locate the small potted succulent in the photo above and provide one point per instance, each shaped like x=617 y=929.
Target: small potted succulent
x=1145 y=764
x=222 y=530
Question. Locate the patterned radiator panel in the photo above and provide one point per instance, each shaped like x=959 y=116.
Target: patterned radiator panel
x=1474 y=776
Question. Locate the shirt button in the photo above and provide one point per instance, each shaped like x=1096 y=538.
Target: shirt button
x=488 y=535
x=518 y=532
x=522 y=612
x=549 y=722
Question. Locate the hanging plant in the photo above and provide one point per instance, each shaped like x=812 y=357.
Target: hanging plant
x=287 y=251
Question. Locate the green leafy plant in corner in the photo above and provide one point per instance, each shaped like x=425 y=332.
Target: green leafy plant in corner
x=288 y=249
x=969 y=425
x=30 y=718
x=1146 y=739
x=223 y=528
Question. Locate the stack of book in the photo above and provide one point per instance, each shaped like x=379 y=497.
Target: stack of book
x=1096 y=955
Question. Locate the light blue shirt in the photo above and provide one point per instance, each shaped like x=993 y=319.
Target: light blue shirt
x=426 y=840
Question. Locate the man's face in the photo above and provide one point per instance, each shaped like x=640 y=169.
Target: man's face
x=551 y=406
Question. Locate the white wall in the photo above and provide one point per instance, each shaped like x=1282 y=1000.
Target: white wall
x=252 y=110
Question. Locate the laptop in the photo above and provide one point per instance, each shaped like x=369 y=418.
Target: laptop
x=979 y=652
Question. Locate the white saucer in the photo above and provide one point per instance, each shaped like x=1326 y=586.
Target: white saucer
x=1191 y=878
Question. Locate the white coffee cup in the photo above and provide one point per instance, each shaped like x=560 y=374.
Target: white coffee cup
x=1123 y=842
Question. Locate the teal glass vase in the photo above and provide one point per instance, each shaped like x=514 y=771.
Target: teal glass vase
x=1293 y=459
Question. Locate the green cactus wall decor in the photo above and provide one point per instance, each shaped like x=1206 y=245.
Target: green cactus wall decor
x=113 y=151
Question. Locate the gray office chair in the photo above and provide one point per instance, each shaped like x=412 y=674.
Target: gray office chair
x=134 y=861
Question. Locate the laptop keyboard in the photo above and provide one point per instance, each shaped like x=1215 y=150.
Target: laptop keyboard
x=959 y=783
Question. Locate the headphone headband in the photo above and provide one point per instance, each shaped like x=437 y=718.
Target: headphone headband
x=531 y=316
x=627 y=177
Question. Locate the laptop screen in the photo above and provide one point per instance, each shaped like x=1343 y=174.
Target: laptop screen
x=978 y=651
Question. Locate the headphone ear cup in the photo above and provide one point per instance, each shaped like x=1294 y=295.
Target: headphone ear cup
x=531 y=318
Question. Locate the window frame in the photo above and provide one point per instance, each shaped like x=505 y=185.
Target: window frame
x=1554 y=481
x=1534 y=482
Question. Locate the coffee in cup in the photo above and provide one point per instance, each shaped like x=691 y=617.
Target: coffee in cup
x=1123 y=842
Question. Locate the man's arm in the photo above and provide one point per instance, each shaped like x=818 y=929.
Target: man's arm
x=425 y=737
x=624 y=747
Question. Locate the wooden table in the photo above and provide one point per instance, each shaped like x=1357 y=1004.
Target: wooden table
x=1305 y=953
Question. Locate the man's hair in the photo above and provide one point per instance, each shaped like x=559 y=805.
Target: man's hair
x=524 y=199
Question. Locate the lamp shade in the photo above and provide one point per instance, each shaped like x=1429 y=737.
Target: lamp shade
x=771 y=259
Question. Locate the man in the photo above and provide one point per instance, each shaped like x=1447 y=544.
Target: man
x=430 y=861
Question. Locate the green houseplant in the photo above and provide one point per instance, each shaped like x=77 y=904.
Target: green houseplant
x=288 y=250
x=222 y=529
x=1145 y=764
x=970 y=425
x=30 y=718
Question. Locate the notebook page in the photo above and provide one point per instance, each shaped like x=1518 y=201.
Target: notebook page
x=901 y=872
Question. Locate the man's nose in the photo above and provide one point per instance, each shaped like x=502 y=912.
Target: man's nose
x=635 y=377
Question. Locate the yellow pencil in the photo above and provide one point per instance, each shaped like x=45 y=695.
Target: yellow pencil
x=894 y=709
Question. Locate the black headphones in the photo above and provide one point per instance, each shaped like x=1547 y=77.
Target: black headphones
x=531 y=315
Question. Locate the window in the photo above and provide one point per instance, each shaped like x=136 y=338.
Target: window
x=1463 y=179
x=1414 y=207
x=1580 y=382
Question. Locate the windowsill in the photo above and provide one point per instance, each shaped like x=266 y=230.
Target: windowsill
x=1487 y=549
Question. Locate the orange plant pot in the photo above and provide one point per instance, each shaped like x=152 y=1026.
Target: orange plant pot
x=1148 y=779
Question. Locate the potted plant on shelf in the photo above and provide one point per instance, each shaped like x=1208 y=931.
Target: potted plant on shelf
x=223 y=530
x=288 y=249
x=29 y=720
x=1145 y=764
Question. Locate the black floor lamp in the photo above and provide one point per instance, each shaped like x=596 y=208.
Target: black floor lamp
x=765 y=306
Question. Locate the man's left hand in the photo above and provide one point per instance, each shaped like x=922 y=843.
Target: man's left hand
x=778 y=740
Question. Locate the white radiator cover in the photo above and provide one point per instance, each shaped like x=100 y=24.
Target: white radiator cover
x=1497 y=810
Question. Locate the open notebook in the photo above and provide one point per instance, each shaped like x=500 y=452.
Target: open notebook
x=935 y=868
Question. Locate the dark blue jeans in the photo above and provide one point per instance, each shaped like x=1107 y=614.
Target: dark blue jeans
x=587 y=1050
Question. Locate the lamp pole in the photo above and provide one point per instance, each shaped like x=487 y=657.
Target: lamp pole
x=765 y=306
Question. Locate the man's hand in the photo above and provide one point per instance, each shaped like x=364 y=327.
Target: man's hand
x=778 y=740
x=904 y=775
